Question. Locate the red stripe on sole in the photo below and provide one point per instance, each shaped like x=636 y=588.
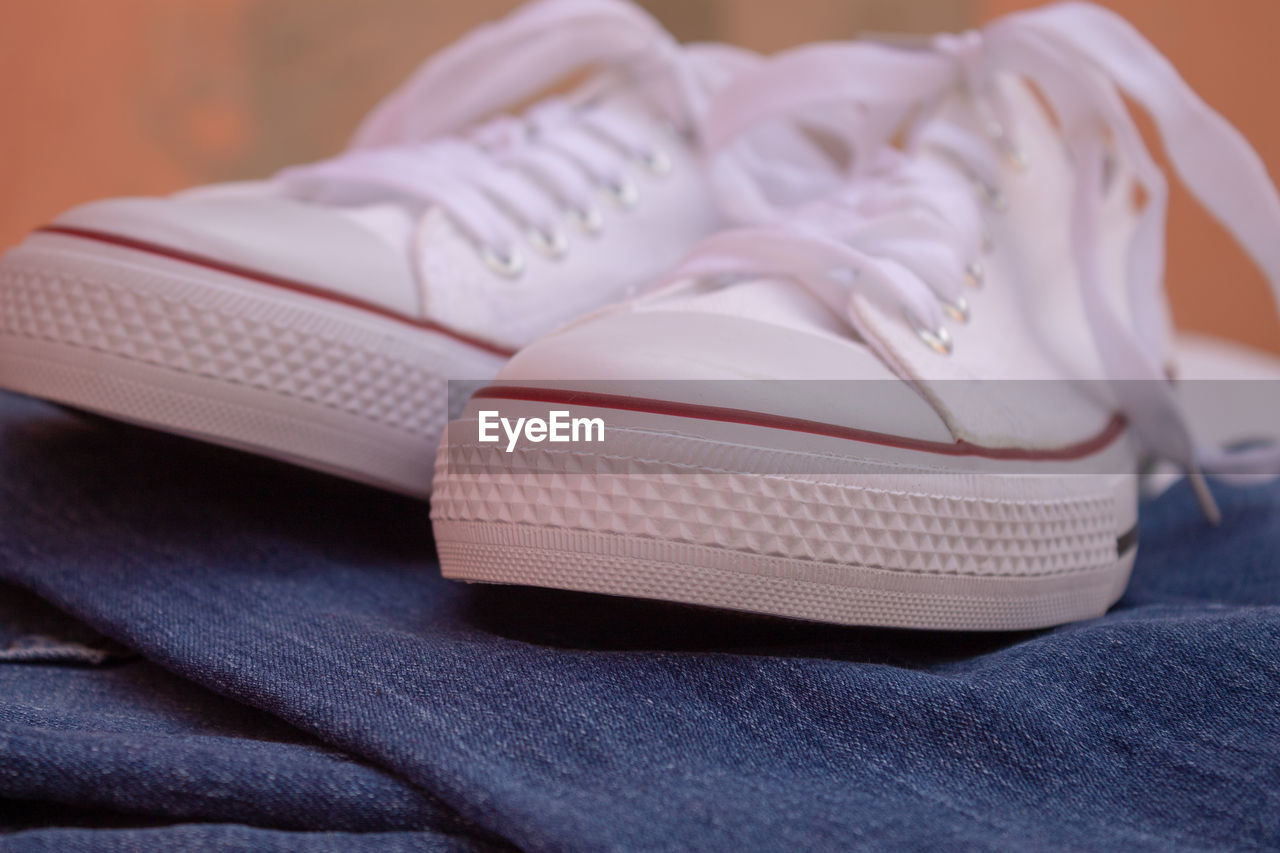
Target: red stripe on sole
x=275 y=281
x=1113 y=430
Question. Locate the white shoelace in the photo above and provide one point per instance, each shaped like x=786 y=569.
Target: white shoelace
x=510 y=179
x=908 y=233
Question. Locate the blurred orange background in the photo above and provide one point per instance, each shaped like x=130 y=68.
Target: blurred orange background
x=134 y=97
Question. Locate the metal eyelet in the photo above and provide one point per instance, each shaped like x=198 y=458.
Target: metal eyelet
x=553 y=244
x=590 y=220
x=974 y=275
x=684 y=131
x=509 y=264
x=957 y=310
x=938 y=340
x=657 y=162
x=1016 y=157
x=994 y=196
x=624 y=192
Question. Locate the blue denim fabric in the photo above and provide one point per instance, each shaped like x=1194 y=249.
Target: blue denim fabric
x=564 y=721
x=118 y=739
x=228 y=838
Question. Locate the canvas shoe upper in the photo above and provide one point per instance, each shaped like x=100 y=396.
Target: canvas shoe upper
x=959 y=357
x=316 y=316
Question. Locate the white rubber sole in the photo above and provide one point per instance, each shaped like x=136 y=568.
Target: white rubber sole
x=186 y=349
x=749 y=518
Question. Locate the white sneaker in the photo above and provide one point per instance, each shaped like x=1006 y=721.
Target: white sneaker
x=986 y=316
x=316 y=317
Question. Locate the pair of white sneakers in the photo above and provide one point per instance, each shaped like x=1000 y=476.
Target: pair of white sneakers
x=875 y=333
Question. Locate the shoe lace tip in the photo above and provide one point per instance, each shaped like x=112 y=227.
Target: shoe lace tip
x=1204 y=497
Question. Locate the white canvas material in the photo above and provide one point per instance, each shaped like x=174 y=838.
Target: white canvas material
x=315 y=317
x=1000 y=248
